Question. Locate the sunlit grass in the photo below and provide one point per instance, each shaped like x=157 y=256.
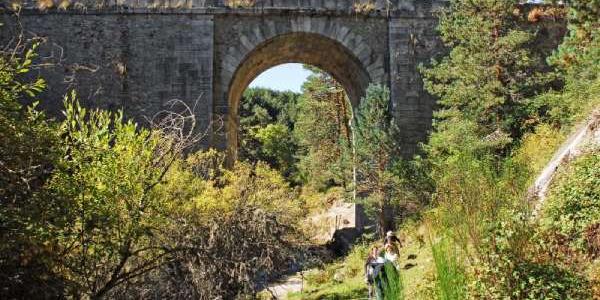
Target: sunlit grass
x=417 y=269
x=450 y=274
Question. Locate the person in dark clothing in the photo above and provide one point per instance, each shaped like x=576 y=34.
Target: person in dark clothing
x=373 y=273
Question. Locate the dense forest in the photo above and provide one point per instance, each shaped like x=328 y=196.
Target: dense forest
x=94 y=206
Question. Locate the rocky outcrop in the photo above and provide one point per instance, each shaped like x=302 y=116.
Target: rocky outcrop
x=339 y=226
x=586 y=135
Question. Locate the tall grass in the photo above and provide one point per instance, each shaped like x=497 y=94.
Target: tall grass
x=451 y=280
x=393 y=288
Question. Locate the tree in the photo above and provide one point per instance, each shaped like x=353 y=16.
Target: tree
x=267 y=120
x=229 y=230
x=583 y=30
x=491 y=74
x=493 y=87
x=576 y=60
x=109 y=171
x=377 y=150
x=279 y=146
x=323 y=133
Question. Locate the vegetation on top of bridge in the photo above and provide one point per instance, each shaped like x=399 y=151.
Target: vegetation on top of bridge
x=376 y=7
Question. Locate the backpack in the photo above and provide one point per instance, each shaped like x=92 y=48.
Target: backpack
x=373 y=269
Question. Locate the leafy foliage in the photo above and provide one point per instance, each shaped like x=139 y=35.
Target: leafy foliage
x=583 y=31
x=226 y=230
x=490 y=74
x=538 y=147
x=518 y=265
x=278 y=144
x=494 y=89
x=574 y=204
x=96 y=207
x=323 y=133
x=108 y=171
x=577 y=58
x=267 y=120
x=27 y=157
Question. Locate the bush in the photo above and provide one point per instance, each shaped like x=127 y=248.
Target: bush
x=354 y=263
x=573 y=204
x=117 y=211
x=537 y=148
x=232 y=229
x=28 y=154
x=516 y=265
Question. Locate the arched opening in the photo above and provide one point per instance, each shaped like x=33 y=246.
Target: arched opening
x=298 y=119
x=301 y=131
x=307 y=48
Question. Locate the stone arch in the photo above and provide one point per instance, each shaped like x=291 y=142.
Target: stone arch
x=295 y=47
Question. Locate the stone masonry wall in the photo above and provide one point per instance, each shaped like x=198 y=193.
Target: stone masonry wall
x=132 y=62
x=137 y=55
x=412 y=42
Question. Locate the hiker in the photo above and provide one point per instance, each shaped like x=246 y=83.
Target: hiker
x=373 y=270
x=391 y=253
x=390 y=237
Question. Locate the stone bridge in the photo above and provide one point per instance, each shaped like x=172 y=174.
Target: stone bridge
x=136 y=55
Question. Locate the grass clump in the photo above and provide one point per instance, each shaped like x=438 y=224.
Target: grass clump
x=241 y=3
x=451 y=279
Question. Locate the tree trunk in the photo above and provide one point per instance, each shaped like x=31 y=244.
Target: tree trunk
x=385 y=219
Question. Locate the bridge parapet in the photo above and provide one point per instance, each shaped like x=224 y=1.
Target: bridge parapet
x=367 y=7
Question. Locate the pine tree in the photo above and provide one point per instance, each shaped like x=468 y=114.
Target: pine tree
x=490 y=74
x=377 y=150
x=584 y=31
x=576 y=59
x=323 y=132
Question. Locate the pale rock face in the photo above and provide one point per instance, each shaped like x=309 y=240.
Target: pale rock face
x=586 y=136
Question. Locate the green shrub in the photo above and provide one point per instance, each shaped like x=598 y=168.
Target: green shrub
x=530 y=280
x=516 y=265
x=573 y=204
x=27 y=154
x=537 y=148
x=322 y=276
x=354 y=263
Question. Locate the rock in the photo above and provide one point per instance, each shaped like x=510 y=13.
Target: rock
x=343 y=239
x=338 y=277
x=339 y=226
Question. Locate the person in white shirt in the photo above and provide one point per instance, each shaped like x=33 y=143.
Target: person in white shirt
x=391 y=253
